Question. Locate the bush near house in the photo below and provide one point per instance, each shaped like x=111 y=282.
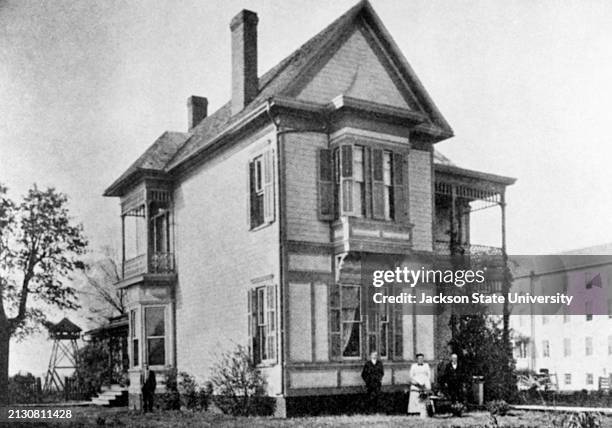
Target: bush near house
x=94 y=369
x=239 y=386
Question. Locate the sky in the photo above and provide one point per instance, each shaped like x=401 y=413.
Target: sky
x=86 y=87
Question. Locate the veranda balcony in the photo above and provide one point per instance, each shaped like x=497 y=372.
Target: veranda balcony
x=158 y=263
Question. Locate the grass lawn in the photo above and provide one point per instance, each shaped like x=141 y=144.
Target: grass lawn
x=96 y=416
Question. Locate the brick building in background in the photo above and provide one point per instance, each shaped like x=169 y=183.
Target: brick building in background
x=256 y=225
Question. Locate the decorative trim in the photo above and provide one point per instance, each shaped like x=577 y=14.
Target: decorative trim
x=306 y=247
x=309 y=276
x=264 y=278
x=370 y=134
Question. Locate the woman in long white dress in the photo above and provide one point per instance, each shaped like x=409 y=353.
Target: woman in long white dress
x=420 y=381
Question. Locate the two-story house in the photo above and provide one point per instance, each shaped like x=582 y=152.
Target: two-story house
x=260 y=224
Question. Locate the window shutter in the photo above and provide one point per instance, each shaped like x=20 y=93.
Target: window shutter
x=268 y=185
x=378 y=185
x=346 y=178
x=271 y=321
x=252 y=322
x=250 y=192
x=399 y=189
x=326 y=185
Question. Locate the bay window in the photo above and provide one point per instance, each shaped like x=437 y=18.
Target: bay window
x=361 y=181
x=155 y=335
x=134 y=342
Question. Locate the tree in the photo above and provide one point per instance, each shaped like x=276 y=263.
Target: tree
x=39 y=248
x=99 y=293
x=479 y=342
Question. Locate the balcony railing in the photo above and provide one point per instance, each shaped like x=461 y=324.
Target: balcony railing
x=444 y=248
x=159 y=263
x=162 y=263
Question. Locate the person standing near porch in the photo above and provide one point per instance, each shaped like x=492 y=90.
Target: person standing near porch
x=372 y=375
x=420 y=383
x=148 y=391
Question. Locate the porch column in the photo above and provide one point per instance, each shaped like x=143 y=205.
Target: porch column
x=122 y=246
x=506 y=273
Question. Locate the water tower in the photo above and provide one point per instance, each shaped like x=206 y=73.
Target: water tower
x=64 y=354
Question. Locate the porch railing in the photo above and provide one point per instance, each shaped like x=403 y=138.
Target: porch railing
x=443 y=247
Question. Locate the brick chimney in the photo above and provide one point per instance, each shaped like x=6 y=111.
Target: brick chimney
x=197 y=109
x=244 y=59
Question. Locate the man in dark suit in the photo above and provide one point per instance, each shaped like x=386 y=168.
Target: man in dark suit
x=372 y=375
x=148 y=391
x=453 y=379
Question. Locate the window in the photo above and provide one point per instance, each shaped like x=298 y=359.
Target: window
x=520 y=349
x=588 y=309
x=545 y=348
x=568 y=378
x=389 y=205
x=589 y=378
x=379 y=331
x=155 y=331
x=566 y=317
x=544 y=319
x=262 y=323
x=367 y=182
x=261 y=189
x=567 y=347
x=135 y=232
x=588 y=346
x=134 y=326
x=609 y=345
x=345 y=313
x=595 y=280
x=359 y=188
x=160 y=230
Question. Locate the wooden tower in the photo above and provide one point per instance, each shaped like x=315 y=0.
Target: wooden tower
x=64 y=354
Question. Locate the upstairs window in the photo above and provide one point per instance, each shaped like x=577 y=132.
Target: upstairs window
x=389 y=206
x=361 y=181
x=261 y=190
x=545 y=349
x=567 y=347
x=359 y=189
x=588 y=346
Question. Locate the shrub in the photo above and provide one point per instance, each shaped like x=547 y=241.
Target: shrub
x=239 y=386
x=192 y=397
x=498 y=407
x=93 y=370
x=579 y=420
x=169 y=400
x=24 y=389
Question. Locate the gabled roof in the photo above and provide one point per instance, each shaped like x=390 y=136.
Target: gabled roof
x=154 y=158
x=279 y=81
